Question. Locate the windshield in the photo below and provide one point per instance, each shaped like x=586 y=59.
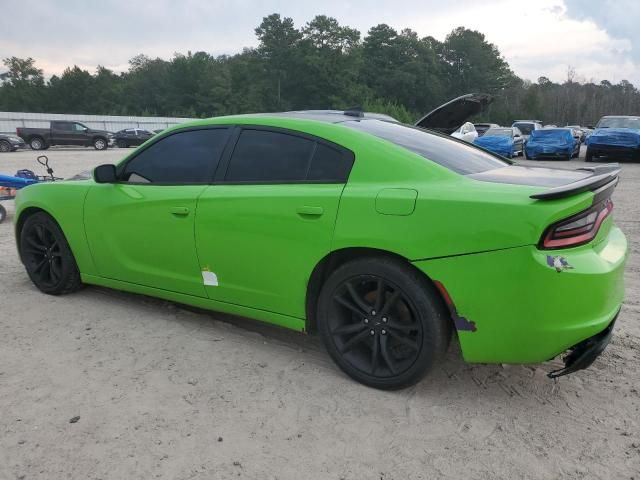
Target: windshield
x=498 y=132
x=525 y=128
x=619 y=122
x=461 y=157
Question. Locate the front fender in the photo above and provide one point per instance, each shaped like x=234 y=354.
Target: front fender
x=64 y=201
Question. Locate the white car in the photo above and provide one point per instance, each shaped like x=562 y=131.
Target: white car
x=466 y=132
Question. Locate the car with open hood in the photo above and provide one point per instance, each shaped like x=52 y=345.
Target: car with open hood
x=615 y=136
x=452 y=118
x=384 y=238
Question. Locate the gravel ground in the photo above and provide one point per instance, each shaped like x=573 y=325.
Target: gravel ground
x=108 y=385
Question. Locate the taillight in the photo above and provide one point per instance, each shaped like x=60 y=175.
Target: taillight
x=578 y=229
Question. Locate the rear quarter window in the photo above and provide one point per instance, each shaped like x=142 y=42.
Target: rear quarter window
x=461 y=157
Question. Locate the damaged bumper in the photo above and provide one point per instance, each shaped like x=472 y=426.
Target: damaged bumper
x=583 y=354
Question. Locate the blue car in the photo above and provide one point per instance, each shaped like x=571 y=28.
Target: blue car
x=552 y=143
x=615 y=136
x=505 y=141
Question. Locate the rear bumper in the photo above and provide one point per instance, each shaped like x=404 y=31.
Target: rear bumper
x=521 y=308
x=613 y=150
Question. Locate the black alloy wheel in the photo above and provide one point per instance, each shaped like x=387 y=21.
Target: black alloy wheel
x=46 y=255
x=382 y=322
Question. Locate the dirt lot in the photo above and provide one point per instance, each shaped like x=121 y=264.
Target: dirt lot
x=166 y=392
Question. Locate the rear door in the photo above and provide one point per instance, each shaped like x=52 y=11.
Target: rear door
x=62 y=133
x=268 y=221
x=141 y=229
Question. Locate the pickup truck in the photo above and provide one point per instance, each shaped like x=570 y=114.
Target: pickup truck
x=65 y=133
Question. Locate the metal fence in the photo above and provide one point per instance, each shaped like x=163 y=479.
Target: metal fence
x=9 y=121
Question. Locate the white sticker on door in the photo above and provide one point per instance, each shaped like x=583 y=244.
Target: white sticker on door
x=209 y=278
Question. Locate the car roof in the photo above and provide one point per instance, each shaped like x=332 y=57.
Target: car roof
x=329 y=116
x=621 y=116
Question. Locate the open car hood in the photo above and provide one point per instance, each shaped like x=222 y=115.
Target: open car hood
x=449 y=117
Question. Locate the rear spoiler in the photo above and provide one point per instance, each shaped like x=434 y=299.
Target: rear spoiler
x=604 y=177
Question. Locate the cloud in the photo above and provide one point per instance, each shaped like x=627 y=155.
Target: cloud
x=539 y=38
x=618 y=18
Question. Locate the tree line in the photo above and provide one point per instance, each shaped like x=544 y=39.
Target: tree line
x=321 y=65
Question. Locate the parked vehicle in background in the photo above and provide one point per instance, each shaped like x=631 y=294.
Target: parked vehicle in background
x=481 y=128
x=615 y=136
x=382 y=237
x=576 y=132
x=505 y=141
x=466 y=132
x=10 y=143
x=580 y=130
x=132 y=137
x=65 y=133
x=556 y=143
x=527 y=126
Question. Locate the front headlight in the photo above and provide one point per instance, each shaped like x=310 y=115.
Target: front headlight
x=15 y=139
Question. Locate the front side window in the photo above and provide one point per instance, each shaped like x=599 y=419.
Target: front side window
x=78 y=127
x=182 y=158
x=461 y=157
x=265 y=156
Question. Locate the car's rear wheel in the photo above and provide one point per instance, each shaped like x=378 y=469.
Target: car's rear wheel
x=589 y=155
x=3 y=213
x=5 y=146
x=100 y=144
x=382 y=322
x=36 y=143
x=46 y=255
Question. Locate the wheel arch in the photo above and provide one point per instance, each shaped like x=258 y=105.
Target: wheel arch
x=337 y=258
x=22 y=218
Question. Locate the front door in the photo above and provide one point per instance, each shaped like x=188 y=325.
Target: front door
x=261 y=231
x=141 y=229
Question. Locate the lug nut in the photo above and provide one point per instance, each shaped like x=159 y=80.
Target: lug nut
x=384 y=332
x=373 y=332
x=373 y=312
x=366 y=320
x=384 y=320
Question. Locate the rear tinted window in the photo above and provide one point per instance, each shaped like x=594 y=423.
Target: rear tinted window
x=458 y=156
x=184 y=157
x=265 y=156
x=524 y=127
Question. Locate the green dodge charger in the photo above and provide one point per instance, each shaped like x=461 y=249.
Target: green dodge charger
x=384 y=238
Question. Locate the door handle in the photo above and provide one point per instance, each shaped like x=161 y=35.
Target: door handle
x=182 y=211
x=310 y=210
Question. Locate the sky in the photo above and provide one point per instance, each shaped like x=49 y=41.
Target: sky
x=598 y=39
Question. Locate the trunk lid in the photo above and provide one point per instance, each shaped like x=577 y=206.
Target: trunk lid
x=449 y=117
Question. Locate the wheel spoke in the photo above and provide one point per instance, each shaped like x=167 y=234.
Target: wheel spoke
x=404 y=340
x=56 y=271
x=358 y=299
x=401 y=327
x=375 y=354
x=39 y=266
x=33 y=251
x=40 y=234
x=35 y=244
x=390 y=302
x=360 y=337
x=347 y=329
x=380 y=291
x=346 y=303
x=386 y=355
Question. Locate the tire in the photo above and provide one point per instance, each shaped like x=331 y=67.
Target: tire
x=37 y=143
x=390 y=348
x=122 y=144
x=100 y=143
x=3 y=214
x=5 y=147
x=46 y=255
x=589 y=155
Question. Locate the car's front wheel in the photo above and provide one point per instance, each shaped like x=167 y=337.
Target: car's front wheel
x=46 y=255
x=382 y=322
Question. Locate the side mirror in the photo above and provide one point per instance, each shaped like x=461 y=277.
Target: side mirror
x=105 y=174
